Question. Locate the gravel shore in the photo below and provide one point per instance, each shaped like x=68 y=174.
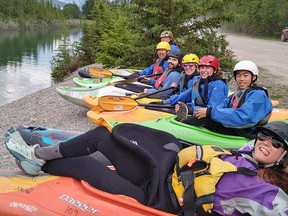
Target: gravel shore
x=44 y=108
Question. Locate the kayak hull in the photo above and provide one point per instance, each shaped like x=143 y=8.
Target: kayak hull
x=98 y=83
x=45 y=194
x=138 y=114
x=75 y=94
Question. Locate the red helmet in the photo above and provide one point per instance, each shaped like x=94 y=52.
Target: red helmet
x=209 y=60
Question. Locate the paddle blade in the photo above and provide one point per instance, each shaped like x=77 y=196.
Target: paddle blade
x=100 y=72
x=117 y=103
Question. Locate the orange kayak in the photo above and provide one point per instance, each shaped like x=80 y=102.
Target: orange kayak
x=137 y=114
x=45 y=195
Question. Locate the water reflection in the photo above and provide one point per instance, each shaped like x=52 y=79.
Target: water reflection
x=25 y=61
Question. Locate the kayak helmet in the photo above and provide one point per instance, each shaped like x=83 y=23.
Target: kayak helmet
x=176 y=54
x=279 y=129
x=166 y=34
x=248 y=66
x=211 y=61
x=163 y=45
x=190 y=58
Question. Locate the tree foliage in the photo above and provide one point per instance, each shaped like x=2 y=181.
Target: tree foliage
x=87 y=9
x=71 y=11
x=29 y=9
x=125 y=33
x=260 y=17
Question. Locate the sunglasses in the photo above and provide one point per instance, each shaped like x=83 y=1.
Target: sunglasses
x=275 y=143
x=188 y=65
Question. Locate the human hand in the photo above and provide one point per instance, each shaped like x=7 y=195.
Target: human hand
x=201 y=113
x=174 y=85
x=177 y=107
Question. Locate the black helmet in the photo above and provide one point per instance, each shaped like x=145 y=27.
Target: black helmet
x=279 y=129
x=176 y=54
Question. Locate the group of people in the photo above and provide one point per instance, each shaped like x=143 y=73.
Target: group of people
x=145 y=158
x=202 y=98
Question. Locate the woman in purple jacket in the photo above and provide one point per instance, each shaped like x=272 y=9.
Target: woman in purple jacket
x=144 y=158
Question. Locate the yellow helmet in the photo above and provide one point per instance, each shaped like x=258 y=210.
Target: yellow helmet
x=163 y=45
x=190 y=58
x=166 y=34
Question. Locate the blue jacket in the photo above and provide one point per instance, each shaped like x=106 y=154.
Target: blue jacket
x=256 y=106
x=173 y=76
x=217 y=92
x=149 y=70
x=238 y=194
x=174 y=99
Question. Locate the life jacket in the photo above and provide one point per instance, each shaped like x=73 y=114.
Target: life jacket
x=242 y=100
x=157 y=67
x=196 y=174
x=199 y=100
x=184 y=79
x=160 y=81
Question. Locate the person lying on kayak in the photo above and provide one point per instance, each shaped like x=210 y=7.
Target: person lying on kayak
x=144 y=159
x=207 y=90
x=159 y=65
x=187 y=77
x=170 y=76
x=239 y=114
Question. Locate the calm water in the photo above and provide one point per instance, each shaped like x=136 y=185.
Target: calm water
x=25 y=61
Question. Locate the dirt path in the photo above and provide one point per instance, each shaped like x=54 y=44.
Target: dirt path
x=271 y=55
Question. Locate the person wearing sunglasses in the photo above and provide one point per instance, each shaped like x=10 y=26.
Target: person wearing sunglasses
x=210 y=89
x=190 y=65
x=241 y=112
x=145 y=157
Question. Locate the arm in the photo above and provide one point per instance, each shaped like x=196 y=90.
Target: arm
x=217 y=93
x=147 y=71
x=256 y=106
x=182 y=97
x=173 y=77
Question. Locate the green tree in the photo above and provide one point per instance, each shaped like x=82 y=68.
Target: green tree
x=87 y=9
x=194 y=24
x=260 y=17
x=71 y=11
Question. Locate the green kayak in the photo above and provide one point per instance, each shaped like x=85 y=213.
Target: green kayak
x=95 y=83
x=193 y=134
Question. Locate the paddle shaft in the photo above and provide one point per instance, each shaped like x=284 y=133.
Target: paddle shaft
x=149 y=94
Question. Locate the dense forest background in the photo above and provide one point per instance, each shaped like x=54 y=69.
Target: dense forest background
x=124 y=33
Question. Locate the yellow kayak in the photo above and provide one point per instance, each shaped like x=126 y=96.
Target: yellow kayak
x=92 y=101
x=138 y=114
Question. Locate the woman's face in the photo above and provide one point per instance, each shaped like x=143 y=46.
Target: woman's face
x=267 y=149
x=206 y=71
x=189 y=68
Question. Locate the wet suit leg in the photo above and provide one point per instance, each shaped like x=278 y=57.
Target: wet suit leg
x=76 y=163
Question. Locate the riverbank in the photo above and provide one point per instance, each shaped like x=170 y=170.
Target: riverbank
x=47 y=109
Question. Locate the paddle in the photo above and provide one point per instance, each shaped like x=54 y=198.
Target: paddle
x=123 y=103
x=153 y=93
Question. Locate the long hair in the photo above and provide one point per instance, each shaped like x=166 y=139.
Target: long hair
x=276 y=176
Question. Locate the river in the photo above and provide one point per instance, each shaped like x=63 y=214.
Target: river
x=25 y=61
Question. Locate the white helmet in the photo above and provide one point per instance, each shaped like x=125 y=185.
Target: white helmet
x=246 y=65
